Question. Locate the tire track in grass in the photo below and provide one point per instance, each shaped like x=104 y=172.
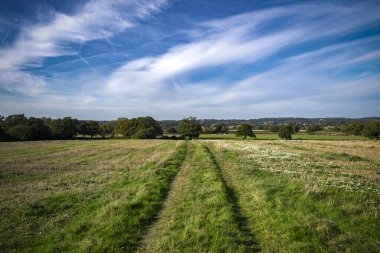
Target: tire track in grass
x=240 y=219
x=197 y=216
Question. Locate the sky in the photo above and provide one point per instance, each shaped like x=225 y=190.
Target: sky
x=104 y=59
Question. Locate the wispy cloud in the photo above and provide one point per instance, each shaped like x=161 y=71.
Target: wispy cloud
x=95 y=20
x=240 y=41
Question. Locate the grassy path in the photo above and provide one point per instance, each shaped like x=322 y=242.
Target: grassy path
x=200 y=214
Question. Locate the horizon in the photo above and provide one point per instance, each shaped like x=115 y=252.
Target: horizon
x=178 y=119
x=170 y=59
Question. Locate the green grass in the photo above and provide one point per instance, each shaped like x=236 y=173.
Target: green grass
x=108 y=217
x=291 y=211
x=199 y=215
x=224 y=195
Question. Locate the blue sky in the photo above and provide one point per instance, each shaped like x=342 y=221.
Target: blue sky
x=104 y=59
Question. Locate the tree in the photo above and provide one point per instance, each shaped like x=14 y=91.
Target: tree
x=170 y=130
x=274 y=128
x=20 y=132
x=285 y=132
x=245 y=130
x=15 y=119
x=147 y=133
x=372 y=130
x=16 y=127
x=130 y=127
x=88 y=128
x=107 y=129
x=2 y=134
x=313 y=128
x=221 y=128
x=189 y=127
x=39 y=130
x=355 y=128
x=207 y=129
x=149 y=122
x=65 y=128
x=295 y=128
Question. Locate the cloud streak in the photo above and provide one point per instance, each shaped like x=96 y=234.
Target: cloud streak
x=240 y=41
x=95 y=20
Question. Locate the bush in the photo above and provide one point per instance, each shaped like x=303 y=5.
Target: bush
x=285 y=132
x=372 y=130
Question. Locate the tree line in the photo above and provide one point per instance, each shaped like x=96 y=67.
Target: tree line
x=265 y=123
x=370 y=130
x=17 y=127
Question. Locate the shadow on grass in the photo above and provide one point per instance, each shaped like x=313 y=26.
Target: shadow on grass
x=242 y=221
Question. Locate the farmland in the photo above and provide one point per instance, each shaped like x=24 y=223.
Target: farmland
x=221 y=195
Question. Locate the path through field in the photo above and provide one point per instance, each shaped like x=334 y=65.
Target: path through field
x=194 y=196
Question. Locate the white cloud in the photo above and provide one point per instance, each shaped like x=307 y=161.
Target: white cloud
x=95 y=20
x=239 y=40
x=22 y=82
x=234 y=40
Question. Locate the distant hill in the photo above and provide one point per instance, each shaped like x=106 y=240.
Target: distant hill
x=331 y=121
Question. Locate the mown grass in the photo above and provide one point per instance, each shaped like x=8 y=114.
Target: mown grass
x=290 y=210
x=129 y=181
x=194 y=196
x=200 y=215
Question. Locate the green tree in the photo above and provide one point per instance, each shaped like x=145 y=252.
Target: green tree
x=15 y=119
x=40 y=131
x=89 y=127
x=313 y=128
x=189 y=127
x=274 y=128
x=372 y=130
x=2 y=134
x=130 y=127
x=355 y=128
x=221 y=128
x=295 y=128
x=21 y=132
x=170 y=130
x=245 y=130
x=151 y=126
x=147 y=133
x=107 y=129
x=65 y=128
x=16 y=127
x=207 y=129
x=285 y=132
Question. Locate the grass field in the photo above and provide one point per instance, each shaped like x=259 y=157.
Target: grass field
x=195 y=196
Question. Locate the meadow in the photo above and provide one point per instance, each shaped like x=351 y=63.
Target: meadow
x=215 y=195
